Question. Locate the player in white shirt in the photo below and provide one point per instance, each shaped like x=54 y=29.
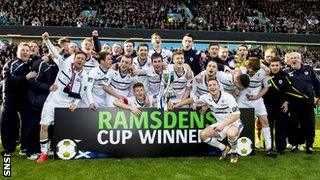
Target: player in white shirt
x=225 y=109
x=119 y=82
x=200 y=82
x=233 y=83
x=67 y=91
x=134 y=102
x=155 y=80
x=251 y=97
x=156 y=42
x=154 y=75
x=91 y=62
x=229 y=82
x=182 y=78
x=143 y=63
x=97 y=97
x=87 y=47
x=155 y=85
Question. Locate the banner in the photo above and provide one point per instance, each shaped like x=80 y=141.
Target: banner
x=116 y=132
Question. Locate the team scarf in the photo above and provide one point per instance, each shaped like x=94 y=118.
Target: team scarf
x=75 y=83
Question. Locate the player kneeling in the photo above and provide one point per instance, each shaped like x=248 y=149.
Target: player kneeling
x=226 y=111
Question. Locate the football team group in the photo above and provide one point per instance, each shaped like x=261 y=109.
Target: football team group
x=282 y=90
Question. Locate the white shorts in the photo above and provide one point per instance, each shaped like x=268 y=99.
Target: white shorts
x=47 y=114
x=223 y=133
x=258 y=105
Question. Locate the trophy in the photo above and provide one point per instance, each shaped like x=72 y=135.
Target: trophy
x=168 y=92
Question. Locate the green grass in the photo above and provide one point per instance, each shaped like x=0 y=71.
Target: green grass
x=288 y=166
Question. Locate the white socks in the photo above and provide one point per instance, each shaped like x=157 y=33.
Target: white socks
x=44 y=144
x=267 y=137
x=215 y=143
x=233 y=145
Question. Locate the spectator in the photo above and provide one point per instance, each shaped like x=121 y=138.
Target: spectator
x=234 y=15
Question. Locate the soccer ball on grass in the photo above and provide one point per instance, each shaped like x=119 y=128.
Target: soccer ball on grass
x=244 y=146
x=66 y=149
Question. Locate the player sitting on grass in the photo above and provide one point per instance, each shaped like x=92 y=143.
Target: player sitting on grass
x=225 y=109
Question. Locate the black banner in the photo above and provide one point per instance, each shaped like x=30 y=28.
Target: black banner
x=248 y=37
x=118 y=133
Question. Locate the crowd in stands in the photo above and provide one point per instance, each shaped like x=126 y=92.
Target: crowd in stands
x=291 y=16
x=139 y=14
x=284 y=16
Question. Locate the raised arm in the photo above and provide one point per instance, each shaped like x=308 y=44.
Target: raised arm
x=96 y=42
x=53 y=51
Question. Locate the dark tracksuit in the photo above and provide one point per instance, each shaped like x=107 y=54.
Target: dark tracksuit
x=302 y=118
x=38 y=90
x=274 y=99
x=191 y=58
x=33 y=59
x=14 y=103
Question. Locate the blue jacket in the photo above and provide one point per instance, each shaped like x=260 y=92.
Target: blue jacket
x=38 y=87
x=305 y=81
x=15 y=82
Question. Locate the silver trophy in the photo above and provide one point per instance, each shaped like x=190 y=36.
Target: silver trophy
x=167 y=78
x=168 y=92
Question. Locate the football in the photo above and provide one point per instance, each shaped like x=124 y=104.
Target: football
x=244 y=146
x=66 y=149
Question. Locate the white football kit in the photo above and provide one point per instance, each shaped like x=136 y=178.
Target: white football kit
x=153 y=82
x=258 y=80
x=88 y=66
x=154 y=87
x=166 y=55
x=199 y=89
x=122 y=84
x=179 y=84
x=221 y=109
x=95 y=92
x=227 y=83
x=67 y=76
x=142 y=77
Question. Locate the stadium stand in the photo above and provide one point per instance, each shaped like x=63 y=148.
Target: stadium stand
x=302 y=16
